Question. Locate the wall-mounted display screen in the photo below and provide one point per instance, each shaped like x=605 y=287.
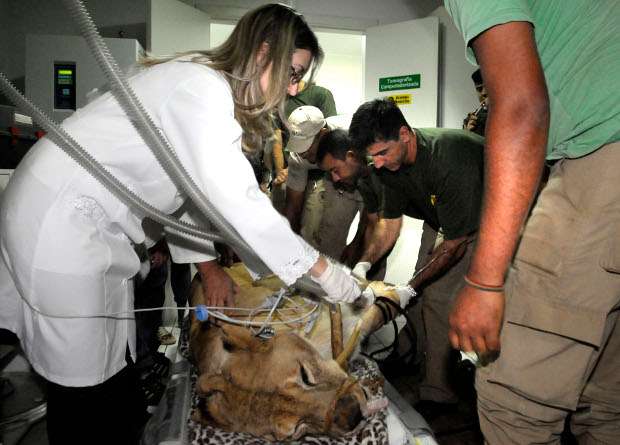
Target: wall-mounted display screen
x=64 y=86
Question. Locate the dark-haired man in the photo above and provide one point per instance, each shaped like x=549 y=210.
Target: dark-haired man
x=434 y=175
x=349 y=171
x=316 y=210
x=476 y=121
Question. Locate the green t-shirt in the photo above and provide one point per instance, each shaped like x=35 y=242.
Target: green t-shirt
x=579 y=47
x=443 y=186
x=371 y=190
x=313 y=95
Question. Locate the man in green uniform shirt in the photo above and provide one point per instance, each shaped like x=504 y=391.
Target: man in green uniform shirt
x=551 y=69
x=434 y=175
x=298 y=94
x=310 y=94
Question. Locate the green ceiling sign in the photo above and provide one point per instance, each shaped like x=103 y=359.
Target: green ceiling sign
x=399 y=82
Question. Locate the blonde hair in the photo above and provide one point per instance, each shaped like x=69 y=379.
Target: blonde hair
x=284 y=31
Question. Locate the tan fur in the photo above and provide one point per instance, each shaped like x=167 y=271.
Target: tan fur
x=280 y=388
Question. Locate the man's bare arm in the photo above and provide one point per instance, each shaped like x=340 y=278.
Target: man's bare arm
x=293 y=208
x=383 y=238
x=516 y=137
x=277 y=154
x=448 y=253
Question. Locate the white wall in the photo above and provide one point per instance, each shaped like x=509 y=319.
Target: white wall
x=21 y=17
x=44 y=50
x=128 y=17
x=456 y=90
x=402 y=49
x=338 y=14
x=342 y=69
x=174 y=27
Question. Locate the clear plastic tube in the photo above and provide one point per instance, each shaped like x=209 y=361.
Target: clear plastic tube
x=164 y=153
x=156 y=142
x=151 y=135
x=63 y=140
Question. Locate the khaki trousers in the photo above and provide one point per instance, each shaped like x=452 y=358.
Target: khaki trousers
x=560 y=337
x=327 y=216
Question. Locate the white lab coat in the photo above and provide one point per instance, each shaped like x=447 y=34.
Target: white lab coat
x=66 y=241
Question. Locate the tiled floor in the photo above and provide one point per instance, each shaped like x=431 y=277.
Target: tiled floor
x=459 y=427
x=170 y=351
x=22 y=392
x=27 y=392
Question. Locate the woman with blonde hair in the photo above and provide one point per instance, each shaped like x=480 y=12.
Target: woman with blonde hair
x=66 y=241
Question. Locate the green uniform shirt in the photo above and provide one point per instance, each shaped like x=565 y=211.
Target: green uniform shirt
x=443 y=186
x=313 y=95
x=579 y=47
x=371 y=190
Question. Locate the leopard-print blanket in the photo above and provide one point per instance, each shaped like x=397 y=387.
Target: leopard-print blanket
x=373 y=431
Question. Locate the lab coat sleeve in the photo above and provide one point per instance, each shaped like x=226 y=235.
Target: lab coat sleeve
x=198 y=120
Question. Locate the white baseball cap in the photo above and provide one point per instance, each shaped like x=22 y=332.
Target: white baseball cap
x=305 y=122
x=339 y=122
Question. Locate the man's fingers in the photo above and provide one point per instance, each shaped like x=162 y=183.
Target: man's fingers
x=454 y=339
x=492 y=341
x=465 y=344
x=479 y=345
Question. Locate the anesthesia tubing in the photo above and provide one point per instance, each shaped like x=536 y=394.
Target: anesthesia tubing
x=204 y=312
x=155 y=141
x=153 y=138
x=73 y=149
x=162 y=150
x=69 y=145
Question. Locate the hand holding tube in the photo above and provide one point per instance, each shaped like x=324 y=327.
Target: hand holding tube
x=338 y=284
x=361 y=269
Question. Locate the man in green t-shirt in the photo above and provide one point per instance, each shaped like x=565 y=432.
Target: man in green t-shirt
x=310 y=94
x=318 y=211
x=299 y=94
x=434 y=175
x=551 y=69
x=349 y=172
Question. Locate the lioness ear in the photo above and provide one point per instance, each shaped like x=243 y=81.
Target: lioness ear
x=238 y=338
x=211 y=383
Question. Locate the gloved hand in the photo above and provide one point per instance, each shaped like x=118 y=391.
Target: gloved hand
x=338 y=284
x=366 y=299
x=405 y=293
x=361 y=269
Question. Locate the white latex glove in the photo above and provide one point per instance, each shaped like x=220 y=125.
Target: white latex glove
x=361 y=269
x=405 y=293
x=338 y=284
x=366 y=299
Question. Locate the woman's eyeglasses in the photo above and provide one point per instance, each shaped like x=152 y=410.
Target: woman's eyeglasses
x=296 y=76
